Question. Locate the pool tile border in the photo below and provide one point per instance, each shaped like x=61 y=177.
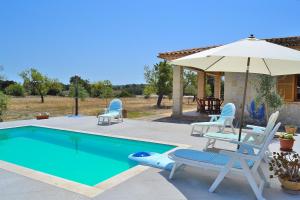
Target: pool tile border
x=88 y=191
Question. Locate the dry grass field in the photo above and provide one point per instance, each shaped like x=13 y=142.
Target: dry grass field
x=29 y=107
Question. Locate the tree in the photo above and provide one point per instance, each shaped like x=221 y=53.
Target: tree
x=55 y=87
x=3 y=98
x=159 y=78
x=84 y=83
x=149 y=89
x=189 y=82
x=266 y=93
x=15 y=89
x=82 y=93
x=34 y=81
x=96 y=89
x=3 y=104
x=106 y=91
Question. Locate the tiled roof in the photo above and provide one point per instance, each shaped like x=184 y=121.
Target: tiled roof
x=292 y=42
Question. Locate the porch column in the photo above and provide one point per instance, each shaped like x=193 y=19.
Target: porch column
x=217 y=86
x=177 y=90
x=201 y=84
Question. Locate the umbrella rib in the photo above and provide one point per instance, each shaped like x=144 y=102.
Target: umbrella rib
x=214 y=63
x=267 y=66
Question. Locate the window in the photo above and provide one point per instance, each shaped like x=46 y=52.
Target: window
x=286 y=87
x=297 y=87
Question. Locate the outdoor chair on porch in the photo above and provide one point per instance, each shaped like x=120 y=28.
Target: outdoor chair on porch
x=221 y=121
x=254 y=135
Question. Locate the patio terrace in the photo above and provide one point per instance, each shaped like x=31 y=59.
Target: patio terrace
x=188 y=183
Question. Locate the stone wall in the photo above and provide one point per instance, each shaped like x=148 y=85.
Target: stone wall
x=233 y=92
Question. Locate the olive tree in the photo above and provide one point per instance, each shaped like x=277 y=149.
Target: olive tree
x=159 y=78
x=266 y=93
x=35 y=82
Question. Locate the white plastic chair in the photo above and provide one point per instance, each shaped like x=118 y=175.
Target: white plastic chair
x=252 y=135
x=244 y=161
x=221 y=121
x=114 y=111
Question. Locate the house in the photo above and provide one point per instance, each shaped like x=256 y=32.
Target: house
x=287 y=86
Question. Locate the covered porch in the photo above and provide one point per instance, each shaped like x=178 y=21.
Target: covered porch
x=286 y=85
x=214 y=78
x=201 y=88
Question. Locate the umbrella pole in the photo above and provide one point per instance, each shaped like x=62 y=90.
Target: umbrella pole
x=244 y=99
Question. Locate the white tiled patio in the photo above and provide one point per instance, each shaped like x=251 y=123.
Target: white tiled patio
x=151 y=184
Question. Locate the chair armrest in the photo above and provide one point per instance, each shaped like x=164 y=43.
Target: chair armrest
x=253 y=132
x=256 y=127
x=244 y=144
x=214 y=115
x=238 y=155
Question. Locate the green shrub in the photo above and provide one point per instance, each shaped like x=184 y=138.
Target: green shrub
x=3 y=104
x=55 y=87
x=124 y=93
x=15 y=90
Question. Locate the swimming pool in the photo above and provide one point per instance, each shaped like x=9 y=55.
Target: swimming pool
x=83 y=158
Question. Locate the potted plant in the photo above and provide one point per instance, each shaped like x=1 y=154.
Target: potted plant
x=291 y=129
x=44 y=115
x=286 y=141
x=286 y=167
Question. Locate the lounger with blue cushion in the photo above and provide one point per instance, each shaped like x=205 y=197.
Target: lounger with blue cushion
x=252 y=135
x=114 y=111
x=221 y=121
x=246 y=161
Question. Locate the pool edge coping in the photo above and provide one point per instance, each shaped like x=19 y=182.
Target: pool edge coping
x=88 y=191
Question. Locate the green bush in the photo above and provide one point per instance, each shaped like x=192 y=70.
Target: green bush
x=3 y=105
x=15 y=90
x=55 y=87
x=124 y=93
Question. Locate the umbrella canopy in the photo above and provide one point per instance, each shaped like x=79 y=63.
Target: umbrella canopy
x=249 y=55
x=266 y=58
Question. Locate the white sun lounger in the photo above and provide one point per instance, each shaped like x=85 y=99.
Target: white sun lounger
x=245 y=161
x=252 y=136
x=114 y=111
x=221 y=121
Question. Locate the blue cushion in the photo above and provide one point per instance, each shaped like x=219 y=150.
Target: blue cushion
x=208 y=157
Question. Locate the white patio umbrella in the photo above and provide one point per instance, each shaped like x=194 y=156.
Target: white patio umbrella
x=249 y=55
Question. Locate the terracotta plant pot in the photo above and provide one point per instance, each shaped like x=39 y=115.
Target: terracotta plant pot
x=286 y=144
x=295 y=186
x=42 y=117
x=290 y=129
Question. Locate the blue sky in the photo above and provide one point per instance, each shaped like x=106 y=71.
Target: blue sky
x=114 y=39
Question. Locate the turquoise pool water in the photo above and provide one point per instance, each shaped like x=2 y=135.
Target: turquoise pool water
x=84 y=158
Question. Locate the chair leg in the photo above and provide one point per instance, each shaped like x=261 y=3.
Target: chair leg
x=173 y=170
x=210 y=142
x=232 y=128
x=207 y=129
x=221 y=176
x=207 y=144
x=263 y=176
x=193 y=127
x=251 y=180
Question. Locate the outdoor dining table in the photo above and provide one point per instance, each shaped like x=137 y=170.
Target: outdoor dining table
x=209 y=105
